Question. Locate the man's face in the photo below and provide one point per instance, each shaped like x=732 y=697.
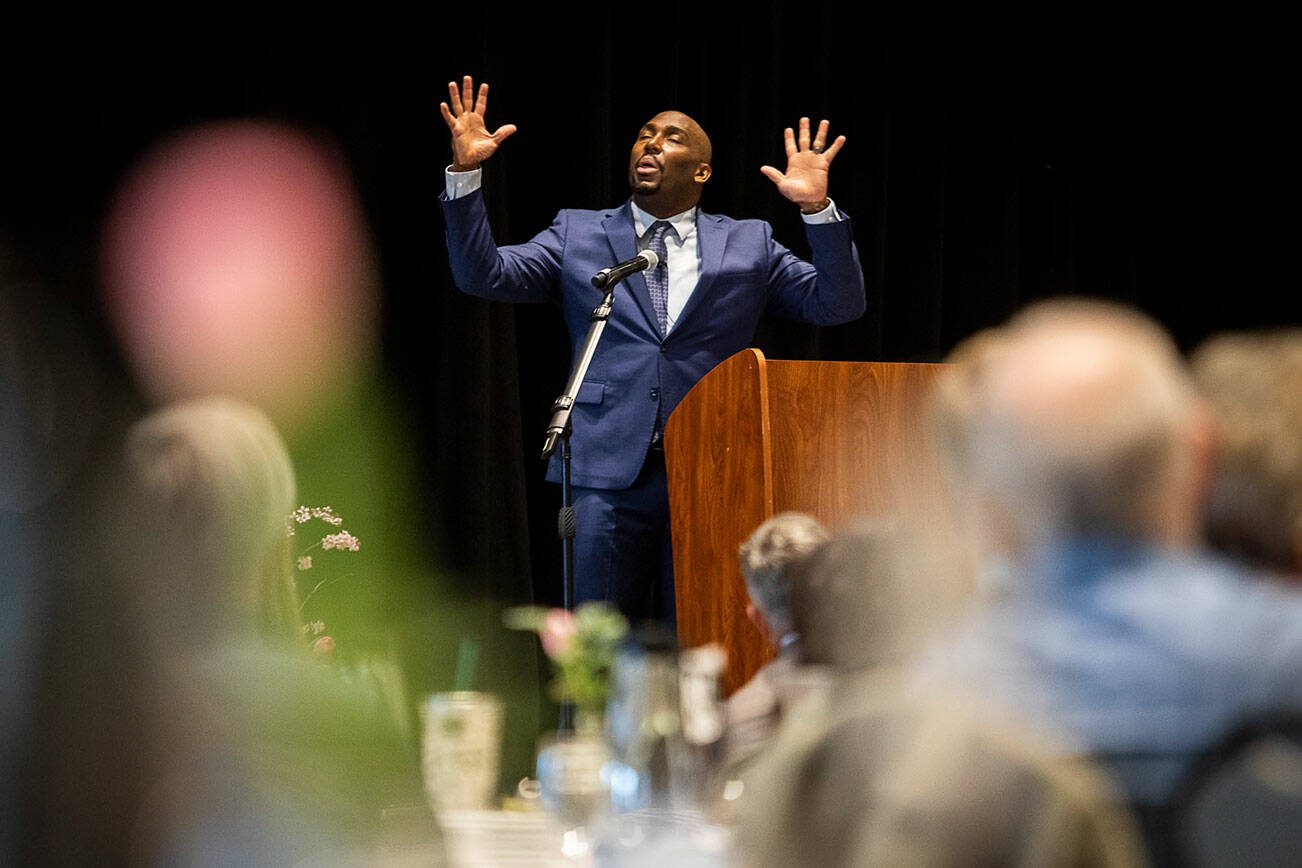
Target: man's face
x=670 y=160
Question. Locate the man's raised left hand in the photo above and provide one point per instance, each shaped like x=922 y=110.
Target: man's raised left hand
x=805 y=180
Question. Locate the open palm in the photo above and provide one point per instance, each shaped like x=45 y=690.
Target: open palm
x=472 y=143
x=805 y=180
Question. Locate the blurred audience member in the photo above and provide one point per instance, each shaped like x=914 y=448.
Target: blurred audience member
x=859 y=605
x=211 y=488
x=885 y=779
x=237 y=260
x=1092 y=456
x=771 y=561
x=21 y=600
x=864 y=772
x=256 y=751
x=955 y=401
x=1254 y=385
x=61 y=407
x=1242 y=805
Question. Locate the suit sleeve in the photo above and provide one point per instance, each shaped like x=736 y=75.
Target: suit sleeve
x=519 y=272
x=830 y=291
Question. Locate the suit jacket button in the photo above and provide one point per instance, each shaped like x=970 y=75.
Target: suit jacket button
x=655 y=394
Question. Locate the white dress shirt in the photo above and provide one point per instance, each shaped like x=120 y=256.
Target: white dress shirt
x=683 y=259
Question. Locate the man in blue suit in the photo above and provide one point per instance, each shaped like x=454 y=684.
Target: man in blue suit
x=670 y=325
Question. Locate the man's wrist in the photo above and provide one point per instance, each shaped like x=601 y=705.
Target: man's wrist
x=461 y=183
x=827 y=214
x=468 y=168
x=815 y=207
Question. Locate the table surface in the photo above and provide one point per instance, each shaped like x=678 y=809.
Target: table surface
x=507 y=838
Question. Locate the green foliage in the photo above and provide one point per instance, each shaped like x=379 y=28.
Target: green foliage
x=581 y=646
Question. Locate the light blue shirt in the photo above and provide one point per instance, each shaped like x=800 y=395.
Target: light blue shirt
x=1143 y=655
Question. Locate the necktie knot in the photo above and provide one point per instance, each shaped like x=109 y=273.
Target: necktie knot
x=660 y=229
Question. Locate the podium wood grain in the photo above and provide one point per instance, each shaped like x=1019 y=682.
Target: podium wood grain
x=719 y=464
x=756 y=437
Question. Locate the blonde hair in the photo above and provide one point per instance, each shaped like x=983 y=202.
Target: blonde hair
x=212 y=487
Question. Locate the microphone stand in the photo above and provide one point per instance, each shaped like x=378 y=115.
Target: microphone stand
x=558 y=433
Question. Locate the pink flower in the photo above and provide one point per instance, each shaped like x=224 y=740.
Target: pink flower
x=324 y=647
x=558 y=631
x=305 y=562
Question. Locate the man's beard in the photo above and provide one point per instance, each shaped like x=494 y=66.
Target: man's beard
x=644 y=188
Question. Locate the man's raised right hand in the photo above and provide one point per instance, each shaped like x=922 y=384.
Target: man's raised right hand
x=472 y=143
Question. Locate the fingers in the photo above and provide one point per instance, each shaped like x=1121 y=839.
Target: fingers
x=817 y=145
x=447 y=115
x=836 y=147
x=820 y=138
x=462 y=99
x=504 y=132
x=467 y=93
x=773 y=174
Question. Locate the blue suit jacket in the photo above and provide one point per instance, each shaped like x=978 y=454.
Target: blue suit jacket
x=744 y=274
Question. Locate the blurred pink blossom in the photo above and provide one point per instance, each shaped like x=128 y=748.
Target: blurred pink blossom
x=305 y=562
x=236 y=260
x=558 y=631
x=324 y=647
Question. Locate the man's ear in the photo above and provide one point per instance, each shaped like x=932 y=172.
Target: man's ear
x=1206 y=447
x=703 y=173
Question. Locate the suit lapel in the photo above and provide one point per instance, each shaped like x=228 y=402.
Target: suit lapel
x=623 y=243
x=711 y=238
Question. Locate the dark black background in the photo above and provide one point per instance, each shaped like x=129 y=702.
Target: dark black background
x=992 y=160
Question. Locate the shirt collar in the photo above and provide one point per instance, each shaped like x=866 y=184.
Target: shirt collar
x=684 y=222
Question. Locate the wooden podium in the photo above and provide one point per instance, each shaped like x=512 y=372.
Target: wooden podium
x=756 y=437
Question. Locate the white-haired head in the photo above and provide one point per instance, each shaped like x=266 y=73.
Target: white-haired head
x=1087 y=424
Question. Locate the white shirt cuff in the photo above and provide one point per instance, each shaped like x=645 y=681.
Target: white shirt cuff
x=464 y=183
x=827 y=215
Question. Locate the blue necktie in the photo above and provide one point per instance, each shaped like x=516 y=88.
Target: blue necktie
x=657 y=279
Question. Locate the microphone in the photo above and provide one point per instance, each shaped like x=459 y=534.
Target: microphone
x=610 y=276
